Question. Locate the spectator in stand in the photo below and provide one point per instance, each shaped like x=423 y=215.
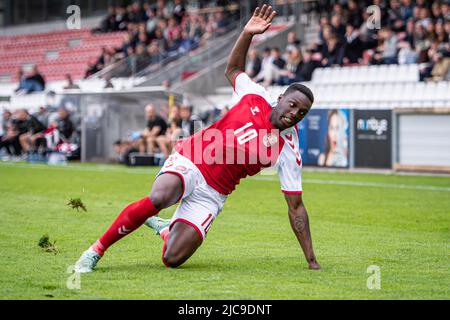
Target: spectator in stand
x=307 y=67
x=23 y=85
x=156 y=56
x=173 y=134
x=266 y=65
x=135 y=13
x=109 y=22
x=9 y=138
x=70 y=84
x=42 y=115
x=33 y=83
x=292 y=41
x=354 y=17
x=278 y=64
x=179 y=11
x=6 y=119
x=174 y=43
x=143 y=58
x=64 y=124
x=387 y=51
x=121 y=19
x=176 y=31
x=290 y=73
x=156 y=126
x=29 y=130
x=253 y=66
x=188 y=120
x=91 y=69
x=332 y=52
x=338 y=27
x=123 y=149
x=352 y=46
x=37 y=77
x=221 y=23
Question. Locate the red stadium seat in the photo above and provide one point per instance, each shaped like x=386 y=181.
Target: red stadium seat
x=16 y=51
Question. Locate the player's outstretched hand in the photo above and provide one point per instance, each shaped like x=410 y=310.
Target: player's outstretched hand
x=260 y=21
x=313 y=265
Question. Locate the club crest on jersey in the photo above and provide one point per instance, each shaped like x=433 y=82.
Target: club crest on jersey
x=270 y=139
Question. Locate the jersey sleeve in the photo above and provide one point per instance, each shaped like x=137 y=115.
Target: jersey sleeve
x=243 y=85
x=290 y=164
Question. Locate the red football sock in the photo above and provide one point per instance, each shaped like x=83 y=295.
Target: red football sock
x=164 y=235
x=131 y=218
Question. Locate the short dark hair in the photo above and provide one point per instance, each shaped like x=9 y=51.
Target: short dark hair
x=302 y=88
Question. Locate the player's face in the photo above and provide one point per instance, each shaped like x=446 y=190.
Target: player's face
x=291 y=109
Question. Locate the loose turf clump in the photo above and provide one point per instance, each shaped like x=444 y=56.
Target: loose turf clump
x=46 y=245
x=77 y=204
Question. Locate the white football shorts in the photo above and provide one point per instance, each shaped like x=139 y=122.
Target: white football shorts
x=200 y=203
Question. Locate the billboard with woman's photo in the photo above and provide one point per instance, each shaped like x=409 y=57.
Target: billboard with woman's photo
x=324 y=138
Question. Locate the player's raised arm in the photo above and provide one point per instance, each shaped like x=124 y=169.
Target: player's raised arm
x=300 y=225
x=258 y=23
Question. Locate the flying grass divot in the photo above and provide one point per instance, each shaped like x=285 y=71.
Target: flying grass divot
x=46 y=245
x=77 y=204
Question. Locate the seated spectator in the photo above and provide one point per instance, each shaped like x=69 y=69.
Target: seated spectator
x=440 y=63
x=70 y=84
x=387 y=51
x=91 y=69
x=174 y=114
x=9 y=138
x=186 y=43
x=289 y=74
x=121 y=19
x=108 y=23
x=154 y=51
x=266 y=65
x=221 y=23
x=29 y=130
x=23 y=85
x=36 y=79
x=272 y=71
x=179 y=11
x=64 y=124
x=123 y=149
x=42 y=115
x=142 y=57
x=307 y=67
x=293 y=41
x=332 y=52
x=253 y=66
x=32 y=83
x=338 y=27
x=173 y=134
x=352 y=46
x=406 y=54
x=354 y=16
x=188 y=121
x=156 y=126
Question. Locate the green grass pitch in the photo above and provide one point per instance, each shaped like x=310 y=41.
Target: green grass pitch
x=399 y=223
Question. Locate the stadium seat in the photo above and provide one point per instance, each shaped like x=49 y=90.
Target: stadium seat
x=72 y=49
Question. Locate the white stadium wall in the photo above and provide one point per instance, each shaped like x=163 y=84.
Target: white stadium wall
x=423 y=139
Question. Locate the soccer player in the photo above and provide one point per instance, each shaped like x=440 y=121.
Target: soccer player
x=206 y=167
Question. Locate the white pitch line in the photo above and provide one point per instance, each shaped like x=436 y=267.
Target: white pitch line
x=73 y=167
x=109 y=169
x=362 y=184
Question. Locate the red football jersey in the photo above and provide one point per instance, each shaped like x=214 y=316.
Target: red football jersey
x=244 y=142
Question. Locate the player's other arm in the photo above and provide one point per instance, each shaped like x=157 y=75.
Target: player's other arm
x=258 y=23
x=298 y=216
